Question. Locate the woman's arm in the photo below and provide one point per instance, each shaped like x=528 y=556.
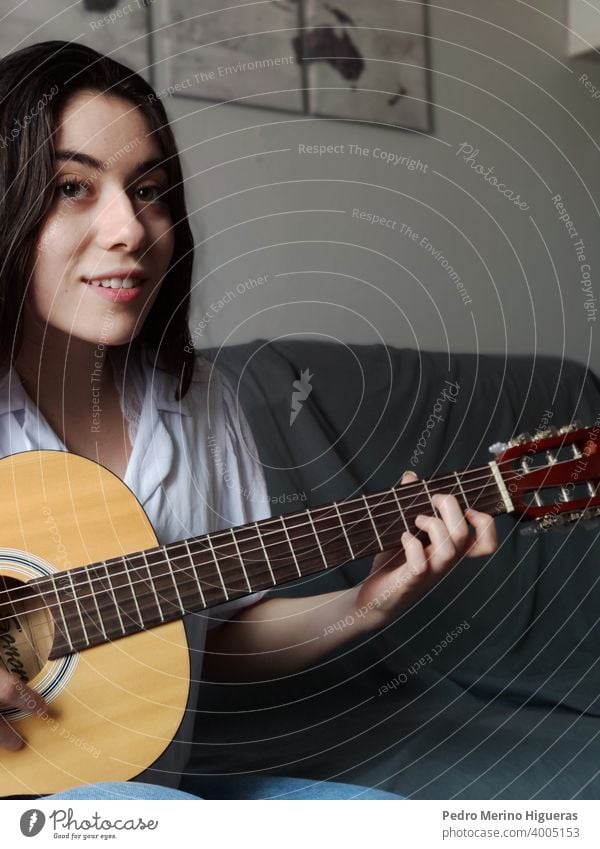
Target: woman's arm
x=279 y=636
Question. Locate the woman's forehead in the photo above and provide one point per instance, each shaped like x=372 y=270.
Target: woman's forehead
x=104 y=129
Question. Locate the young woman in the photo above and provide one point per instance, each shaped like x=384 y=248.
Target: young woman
x=95 y=351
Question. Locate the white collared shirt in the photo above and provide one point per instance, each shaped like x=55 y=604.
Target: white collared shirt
x=193 y=467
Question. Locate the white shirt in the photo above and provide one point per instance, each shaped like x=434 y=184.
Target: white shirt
x=193 y=467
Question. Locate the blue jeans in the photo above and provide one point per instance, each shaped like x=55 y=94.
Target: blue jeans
x=228 y=787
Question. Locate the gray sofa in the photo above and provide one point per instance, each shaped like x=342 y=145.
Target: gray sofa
x=511 y=707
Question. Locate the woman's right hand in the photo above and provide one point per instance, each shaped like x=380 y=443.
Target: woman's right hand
x=15 y=694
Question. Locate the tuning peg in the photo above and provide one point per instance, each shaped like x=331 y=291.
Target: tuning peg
x=577 y=424
x=590 y=513
x=542 y=525
x=544 y=434
x=499 y=447
x=570 y=427
x=562 y=521
x=551 y=521
x=521 y=439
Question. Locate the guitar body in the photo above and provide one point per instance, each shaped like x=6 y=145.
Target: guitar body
x=103 y=642
x=114 y=708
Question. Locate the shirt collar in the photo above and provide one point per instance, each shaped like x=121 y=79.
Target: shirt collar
x=160 y=382
x=13 y=396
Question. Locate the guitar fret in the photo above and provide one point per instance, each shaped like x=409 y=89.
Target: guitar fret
x=291 y=546
x=135 y=601
x=153 y=585
x=122 y=590
x=344 y=530
x=172 y=575
x=400 y=508
x=66 y=632
x=426 y=488
x=77 y=607
x=265 y=551
x=239 y=554
x=312 y=524
x=373 y=522
x=214 y=554
x=167 y=586
x=189 y=554
x=112 y=592
x=87 y=574
x=462 y=492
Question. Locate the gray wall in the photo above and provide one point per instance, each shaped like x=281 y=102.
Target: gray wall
x=502 y=83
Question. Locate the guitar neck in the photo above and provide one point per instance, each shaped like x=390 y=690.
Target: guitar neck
x=123 y=595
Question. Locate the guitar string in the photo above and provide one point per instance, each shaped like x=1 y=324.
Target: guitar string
x=236 y=570
x=194 y=581
x=385 y=499
x=130 y=617
x=413 y=491
x=139 y=625
x=106 y=581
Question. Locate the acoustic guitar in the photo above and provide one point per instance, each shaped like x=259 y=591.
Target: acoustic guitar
x=91 y=605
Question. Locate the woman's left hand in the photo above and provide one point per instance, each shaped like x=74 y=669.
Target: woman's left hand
x=399 y=578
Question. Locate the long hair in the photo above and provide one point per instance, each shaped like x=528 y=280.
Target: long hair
x=35 y=84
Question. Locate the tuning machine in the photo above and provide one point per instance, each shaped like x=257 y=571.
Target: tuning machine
x=575 y=425
x=558 y=431
x=521 y=439
x=560 y=522
x=544 y=524
x=500 y=447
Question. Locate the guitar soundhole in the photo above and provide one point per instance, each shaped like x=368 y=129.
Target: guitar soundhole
x=26 y=630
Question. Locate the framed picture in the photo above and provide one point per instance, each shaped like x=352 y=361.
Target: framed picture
x=119 y=29
x=357 y=61
x=241 y=54
x=368 y=61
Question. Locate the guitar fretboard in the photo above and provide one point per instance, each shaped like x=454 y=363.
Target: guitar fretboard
x=124 y=595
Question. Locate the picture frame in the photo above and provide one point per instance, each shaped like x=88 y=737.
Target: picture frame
x=351 y=62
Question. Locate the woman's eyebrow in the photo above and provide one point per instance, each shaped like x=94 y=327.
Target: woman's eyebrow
x=92 y=162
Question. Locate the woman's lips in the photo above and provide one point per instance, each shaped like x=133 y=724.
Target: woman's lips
x=119 y=294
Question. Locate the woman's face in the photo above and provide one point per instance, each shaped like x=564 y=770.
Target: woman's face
x=107 y=220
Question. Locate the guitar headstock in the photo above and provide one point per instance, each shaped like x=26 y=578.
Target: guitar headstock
x=554 y=475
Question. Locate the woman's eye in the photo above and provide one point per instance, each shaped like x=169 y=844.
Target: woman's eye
x=152 y=193
x=65 y=189
x=70 y=189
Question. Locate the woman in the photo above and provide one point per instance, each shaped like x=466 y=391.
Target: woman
x=96 y=261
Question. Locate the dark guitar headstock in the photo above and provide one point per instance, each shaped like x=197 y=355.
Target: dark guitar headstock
x=553 y=476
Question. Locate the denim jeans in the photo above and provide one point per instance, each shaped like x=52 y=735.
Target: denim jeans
x=228 y=787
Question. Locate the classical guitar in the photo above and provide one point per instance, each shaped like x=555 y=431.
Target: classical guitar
x=91 y=605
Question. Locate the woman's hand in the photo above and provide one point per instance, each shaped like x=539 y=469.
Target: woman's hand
x=399 y=578
x=13 y=693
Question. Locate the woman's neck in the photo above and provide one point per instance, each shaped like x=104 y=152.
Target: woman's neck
x=72 y=385
x=63 y=370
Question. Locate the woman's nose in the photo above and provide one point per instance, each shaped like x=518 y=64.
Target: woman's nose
x=116 y=223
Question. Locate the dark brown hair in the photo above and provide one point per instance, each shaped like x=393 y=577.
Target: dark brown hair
x=35 y=84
